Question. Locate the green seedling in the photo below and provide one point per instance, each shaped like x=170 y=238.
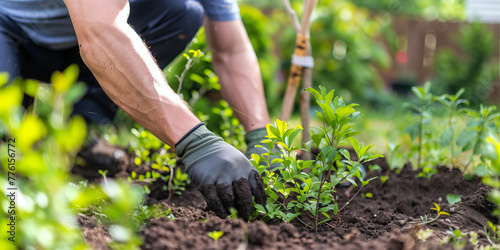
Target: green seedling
x=453 y=198
x=367 y=195
x=493 y=234
x=142 y=214
x=457 y=237
x=395 y=159
x=439 y=213
x=423 y=112
x=473 y=239
x=233 y=213
x=192 y=59
x=229 y=126
x=313 y=183
x=452 y=103
x=149 y=150
x=103 y=173
x=475 y=136
x=424 y=234
x=215 y=235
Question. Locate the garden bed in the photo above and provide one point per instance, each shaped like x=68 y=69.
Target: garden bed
x=388 y=220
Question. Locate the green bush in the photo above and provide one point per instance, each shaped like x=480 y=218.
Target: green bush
x=474 y=71
x=39 y=149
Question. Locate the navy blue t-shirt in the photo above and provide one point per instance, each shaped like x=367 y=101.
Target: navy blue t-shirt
x=47 y=22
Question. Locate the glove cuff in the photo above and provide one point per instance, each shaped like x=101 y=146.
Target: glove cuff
x=193 y=144
x=255 y=136
x=188 y=133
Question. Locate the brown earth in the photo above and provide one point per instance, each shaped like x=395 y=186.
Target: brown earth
x=388 y=220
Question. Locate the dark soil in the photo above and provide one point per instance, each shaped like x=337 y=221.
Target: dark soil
x=388 y=220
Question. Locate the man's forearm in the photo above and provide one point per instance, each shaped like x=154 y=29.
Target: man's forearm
x=127 y=72
x=239 y=73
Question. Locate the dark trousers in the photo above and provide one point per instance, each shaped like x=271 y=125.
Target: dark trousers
x=166 y=26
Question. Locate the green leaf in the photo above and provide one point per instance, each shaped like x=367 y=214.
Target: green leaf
x=272 y=132
x=355 y=144
x=465 y=137
x=315 y=93
x=345 y=153
x=328 y=114
x=197 y=78
x=215 y=234
x=31 y=87
x=412 y=130
x=325 y=214
x=62 y=81
x=293 y=135
x=343 y=112
x=11 y=97
x=446 y=137
x=31 y=130
x=4 y=78
x=329 y=96
x=419 y=92
x=453 y=198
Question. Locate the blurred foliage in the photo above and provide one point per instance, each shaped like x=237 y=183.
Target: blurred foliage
x=45 y=140
x=475 y=70
x=442 y=10
x=345 y=46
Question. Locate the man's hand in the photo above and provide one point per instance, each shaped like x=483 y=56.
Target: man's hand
x=222 y=173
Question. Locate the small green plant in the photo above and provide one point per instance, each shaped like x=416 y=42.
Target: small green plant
x=396 y=159
x=424 y=234
x=439 y=213
x=215 y=235
x=423 y=113
x=493 y=235
x=458 y=238
x=149 y=150
x=229 y=126
x=313 y=183
x=452 y=103
x=453 y=198
x=142 y=214
x=367 y=195
x=41 y=146
x=475 y=136
x=191 y=60
x=103 y=173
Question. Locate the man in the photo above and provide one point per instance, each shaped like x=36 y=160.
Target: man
x=105 y=38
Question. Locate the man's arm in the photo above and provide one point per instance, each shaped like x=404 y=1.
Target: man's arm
x=125 y=69
x=130 y=76
x=236 y=65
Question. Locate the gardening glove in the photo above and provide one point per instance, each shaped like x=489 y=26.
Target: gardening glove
x=222 y=173
x=254 y=138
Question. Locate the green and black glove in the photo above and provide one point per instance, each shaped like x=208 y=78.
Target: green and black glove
x=222 y=173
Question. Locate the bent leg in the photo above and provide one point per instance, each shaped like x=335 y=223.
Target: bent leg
x=9 y=61
x=166 y=26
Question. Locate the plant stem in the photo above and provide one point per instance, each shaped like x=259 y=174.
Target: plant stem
x=420 y=135
x=301 y=221
x=350 y=199
x=427 y=222
x=317 y=201
x=450 y=119
x=170 y=185
x=189 y=63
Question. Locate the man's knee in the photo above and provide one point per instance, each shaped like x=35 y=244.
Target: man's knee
x=191 y=13
x=166 y=18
